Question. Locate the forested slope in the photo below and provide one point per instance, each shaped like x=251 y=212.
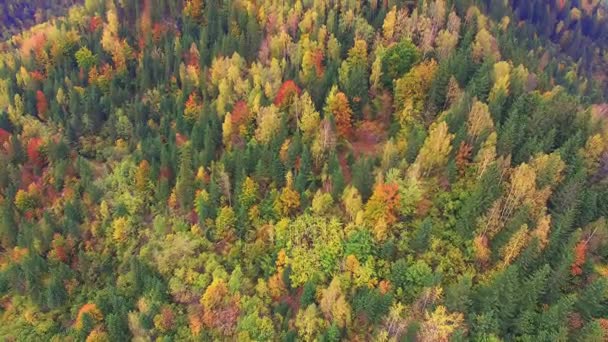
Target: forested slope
x=305 y=170
x=19 y=15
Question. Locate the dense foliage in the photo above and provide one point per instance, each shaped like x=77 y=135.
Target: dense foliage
x=305 y=170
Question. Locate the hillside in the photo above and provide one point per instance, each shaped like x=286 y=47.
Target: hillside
x=19 y=15
x=238 y=170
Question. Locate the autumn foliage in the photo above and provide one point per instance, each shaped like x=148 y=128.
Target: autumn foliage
x=580 y=255
x=290 y=170
x=286 y=92
x=33 y=151
x=41 y=105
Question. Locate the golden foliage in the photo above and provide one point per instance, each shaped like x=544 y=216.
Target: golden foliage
x=90 y=309
x=436 y=148
x=480 y=120
x=439 y=325
x=411 y=91
x=515 y=245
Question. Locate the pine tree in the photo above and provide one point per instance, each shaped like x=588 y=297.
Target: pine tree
x=305 y=171
x=336 y=175
x=8 y=231
x=362 y=169
x=56 y=293
x=184 y=183
x=592 y=300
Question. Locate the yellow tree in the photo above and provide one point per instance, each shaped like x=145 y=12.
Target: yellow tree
x=437 y=146
x=515 y=245
x=121 y=229
x=309 y=118
x=142 y=177
x=541 y=232
x=592 y=152
x=308 y=323
x=485 y=46
x=352 y=201
x=269 y=121
x=439 y=325
x=334 y=305
x=480 y=121
x=486 y=155
x=225 y=223
x=446 y=43
x=411 y=92
x=388 y=27
x=227 y=131
x=289 y=200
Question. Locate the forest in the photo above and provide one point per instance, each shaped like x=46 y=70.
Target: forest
x=304 y=170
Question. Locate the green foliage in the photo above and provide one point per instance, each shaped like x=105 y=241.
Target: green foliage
x=397 y=61
x=370 y=304
x=85 y=58
x=156 y=183
x=411 y=278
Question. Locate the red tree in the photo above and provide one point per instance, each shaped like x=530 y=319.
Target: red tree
x=240 y=113
x=95 y=23
x=4 y=136
x=580 y=252
x=33 y=151
x=286 y=92
x=41 y=104
x=318 y=60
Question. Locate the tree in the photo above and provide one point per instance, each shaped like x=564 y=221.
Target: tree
x=310 y=119
x=371 y=304
x=8 y=233
x=485 y=46
x=121 y=229
x=333 y=304
x=288 y=92
x=515 y=244
x=437 y=146
x=269 y=122
x=362 y=169
x=142 y=177
x=383 y=206
x=411 y=278
x=85 y=58
x=388 y=27
x=225 y=223
x=194 y=10
x=192 y=107
x=446 y=43
x=337 y=106
x=352 y=201
x=397 y=60
x=411 y=92
x=56 y=293
x=479 y=122
x=321 y=202
x=26 y=200
x=89 y=309
x=354 y=75
x=336 y=176
x=580 y=252
x=42 y=105
x=308 y=323
x=289 y=200
x=439 y=325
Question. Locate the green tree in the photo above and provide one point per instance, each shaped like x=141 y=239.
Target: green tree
x=397 y=60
